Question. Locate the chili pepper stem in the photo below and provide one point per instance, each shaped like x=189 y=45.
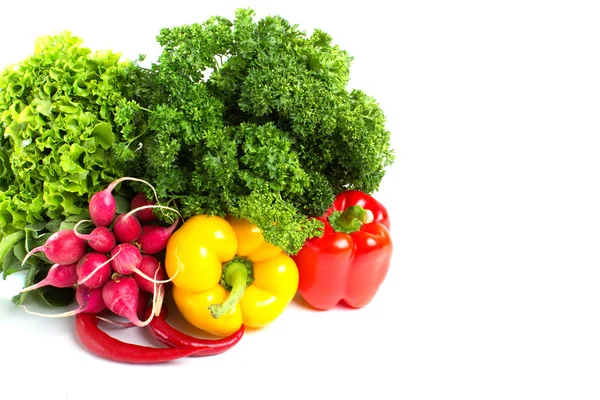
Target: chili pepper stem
x=236 y=275
x=351 y=219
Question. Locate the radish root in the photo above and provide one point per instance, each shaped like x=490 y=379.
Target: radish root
x=127 y=178
x=32 y=252
x=153 y=206
x=146 y=277
x=111 y=321
x=158 y=294
x=62 y=315
x=81 y=235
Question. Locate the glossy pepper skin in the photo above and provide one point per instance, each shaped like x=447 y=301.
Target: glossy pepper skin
x=168 y=335
x=100 y=343
x=203 y=249
x=346 y=266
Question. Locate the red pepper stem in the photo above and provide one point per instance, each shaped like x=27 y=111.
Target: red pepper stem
x=351 y=219
x=237 y=275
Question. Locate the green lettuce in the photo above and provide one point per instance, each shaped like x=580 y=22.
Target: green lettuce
x=68 y=128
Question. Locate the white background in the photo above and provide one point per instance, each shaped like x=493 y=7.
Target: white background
x=493 y=292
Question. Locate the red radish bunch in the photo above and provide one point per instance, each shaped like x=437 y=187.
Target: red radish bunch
x=115 y=265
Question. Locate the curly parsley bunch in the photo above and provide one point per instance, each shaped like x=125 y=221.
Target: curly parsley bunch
x=254 y=118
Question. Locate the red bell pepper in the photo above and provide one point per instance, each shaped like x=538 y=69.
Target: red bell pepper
x=351 y=259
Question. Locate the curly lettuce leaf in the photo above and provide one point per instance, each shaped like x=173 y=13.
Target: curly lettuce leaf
x=63 y=113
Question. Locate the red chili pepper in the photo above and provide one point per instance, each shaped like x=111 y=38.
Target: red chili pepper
x=172 y=337
x=103 y=345
x=351 y=259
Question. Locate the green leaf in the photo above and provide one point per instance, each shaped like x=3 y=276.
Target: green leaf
x=123 y=203
x=10 y=264
x=36 y=227
x=9 y=241
x=53 y=225
x=19 y=250
x=34 y=236
x=27 y=115
x=70 y=222
x=57 y=297
x=104 y=134
x=29 y=280
x=69 y=163
x=43 y=106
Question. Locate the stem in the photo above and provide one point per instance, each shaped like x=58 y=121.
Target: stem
x=161 y=296
x=138 y=136
x=81 y=235
x=127 y=178
x=146 y=277
x=38 y=285
x=236 y=275
x=39 y=248
x=62 y=315
x=140 y=208
x=145 y=109
x=351 y=219
x=110 y=321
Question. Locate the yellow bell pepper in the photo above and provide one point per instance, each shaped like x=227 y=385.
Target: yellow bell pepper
x=225 y=275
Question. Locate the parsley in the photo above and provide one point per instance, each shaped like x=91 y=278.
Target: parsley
x=254 y=119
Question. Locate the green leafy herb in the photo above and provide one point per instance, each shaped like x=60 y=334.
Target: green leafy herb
x=254 y=119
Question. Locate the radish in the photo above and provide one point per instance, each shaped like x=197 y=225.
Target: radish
x=94 y=270
x=154 y=238
x=89 y=300
x=126 y=260
x=103 y=206
x=100 y=239
x=145 y=215
x=59 y=275
x=62 y=247
x=127 y=228
x=150 y=266
x=143 y=298
x=121 y=296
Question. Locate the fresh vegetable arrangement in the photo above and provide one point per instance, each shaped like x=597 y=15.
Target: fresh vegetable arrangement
x=231 y=174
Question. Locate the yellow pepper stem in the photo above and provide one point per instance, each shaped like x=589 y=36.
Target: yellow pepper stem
x=237 y=275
